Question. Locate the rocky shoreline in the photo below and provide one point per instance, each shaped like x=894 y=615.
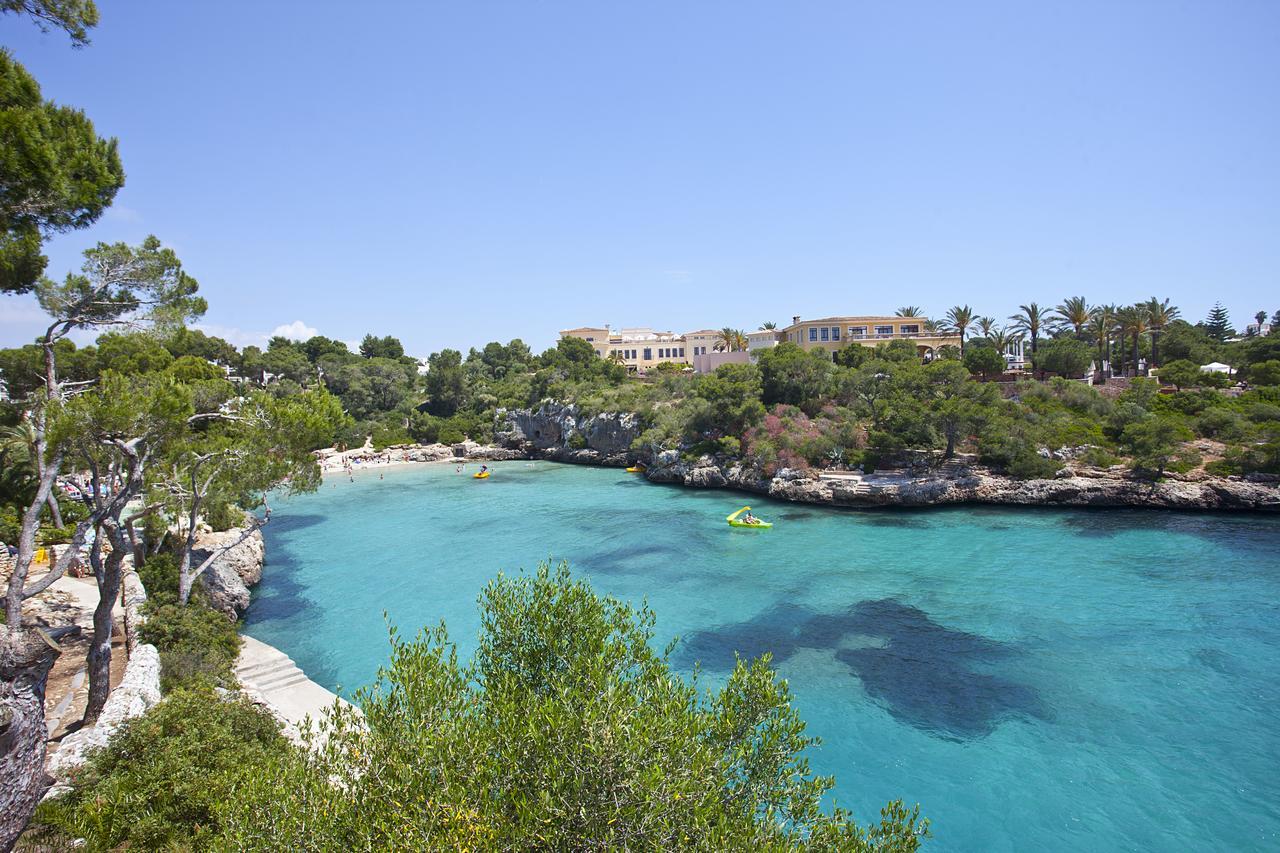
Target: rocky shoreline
x=562 y=433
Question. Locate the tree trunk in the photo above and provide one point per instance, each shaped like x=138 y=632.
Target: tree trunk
x=55 y=512
x=185 y=576
x=27 y=535
x=26 y=656
x=109 y=575
x=1155 y=340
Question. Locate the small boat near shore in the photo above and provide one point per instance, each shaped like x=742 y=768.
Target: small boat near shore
x=732 y=518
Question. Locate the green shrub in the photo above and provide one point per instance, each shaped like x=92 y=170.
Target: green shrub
x=159 y=781
x=159 y=575
x=567 y=731
x=197 y=645
x=223 y=515
x=1261 y=413
x=1224 y=467
x=578 y=441
x=10 y=524
x=1220 y=423
x=1099 y=457
x=387 y=434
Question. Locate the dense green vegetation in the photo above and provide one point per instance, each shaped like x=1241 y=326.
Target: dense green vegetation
x=163 y=779
x=567 y=730
x=198 y=645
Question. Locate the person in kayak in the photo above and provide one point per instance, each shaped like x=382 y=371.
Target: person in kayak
x=750 y=519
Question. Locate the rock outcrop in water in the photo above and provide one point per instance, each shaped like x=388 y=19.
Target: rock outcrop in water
x=227 y=581
x=549 y=431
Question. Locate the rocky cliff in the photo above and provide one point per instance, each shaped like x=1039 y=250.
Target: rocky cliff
x=227 y=581
x=560 y=432
x=959 y=484
x=563 y=433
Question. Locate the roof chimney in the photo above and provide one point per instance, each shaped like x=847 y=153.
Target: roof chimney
x=795 y=319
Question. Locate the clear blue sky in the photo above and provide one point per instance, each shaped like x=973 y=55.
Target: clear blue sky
x=452 y=173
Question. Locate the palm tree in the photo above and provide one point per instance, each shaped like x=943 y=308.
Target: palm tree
x=1102 y=324
x=18 y=469
x=1003 y=338
x=1139 y=324
x=731 y=340
x=959 y=319
x=1074 y=312
x=1132 y=322
x=1159 y=315
x=768 y=326
x=986 y=325
x=616 y=356
x=909 y=311
x=1030 y=319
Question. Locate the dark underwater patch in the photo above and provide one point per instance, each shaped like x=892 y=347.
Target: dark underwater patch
x=923 y=673
x=894 y=519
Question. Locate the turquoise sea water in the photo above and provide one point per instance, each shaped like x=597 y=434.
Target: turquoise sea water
x=1035 y=679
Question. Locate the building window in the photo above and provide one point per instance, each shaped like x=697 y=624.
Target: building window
x=648 y=353
x=682 y=352
x=813 y=333
x=910 y=329
x=826 y=333
x=598 y=352
x=835 y=333
x=884 y=331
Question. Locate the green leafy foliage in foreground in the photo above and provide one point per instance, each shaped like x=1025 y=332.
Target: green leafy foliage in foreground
x=198 y=645
x=161 y=781
x=566 y=731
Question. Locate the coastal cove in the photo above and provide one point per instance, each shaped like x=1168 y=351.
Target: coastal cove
x=1103 y=679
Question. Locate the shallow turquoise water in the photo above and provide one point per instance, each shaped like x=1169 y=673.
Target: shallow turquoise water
x=1037 y=680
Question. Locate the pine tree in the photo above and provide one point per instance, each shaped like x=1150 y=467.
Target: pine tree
x=1218 y=324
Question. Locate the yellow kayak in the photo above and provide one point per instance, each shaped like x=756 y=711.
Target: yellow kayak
x=733 y=521
x=481 y=475
x=636 y=469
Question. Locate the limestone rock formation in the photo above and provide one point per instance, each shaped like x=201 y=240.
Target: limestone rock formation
x=562 y=433
x=227 y=581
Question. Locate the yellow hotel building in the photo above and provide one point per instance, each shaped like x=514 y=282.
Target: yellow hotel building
x=642 y=348
x=833 y=333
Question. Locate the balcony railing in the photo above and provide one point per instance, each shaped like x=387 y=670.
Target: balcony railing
x=887 y=337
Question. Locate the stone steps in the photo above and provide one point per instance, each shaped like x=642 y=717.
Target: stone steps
x=273 y=675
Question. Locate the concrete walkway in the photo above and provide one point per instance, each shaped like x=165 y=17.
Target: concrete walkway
x=271 y=673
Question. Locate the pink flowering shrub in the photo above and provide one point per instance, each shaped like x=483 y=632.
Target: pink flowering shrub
x=788 y=438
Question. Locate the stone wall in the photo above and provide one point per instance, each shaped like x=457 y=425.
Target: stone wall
x=137 y=692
